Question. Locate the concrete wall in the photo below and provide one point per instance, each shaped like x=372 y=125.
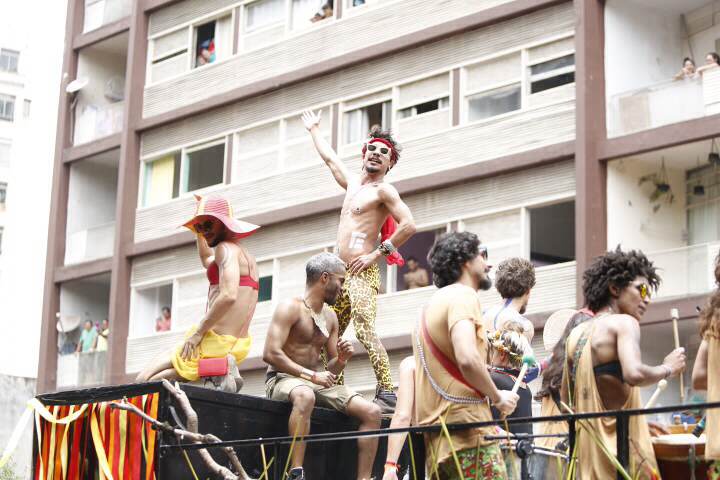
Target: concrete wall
x=631 y=221
x=16 y=391
x=92 y=195
x=643 y=46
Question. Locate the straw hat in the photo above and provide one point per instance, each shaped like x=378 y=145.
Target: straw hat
x=218 y=208
x=555 y=326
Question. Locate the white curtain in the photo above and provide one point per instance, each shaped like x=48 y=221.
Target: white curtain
x=264 y=12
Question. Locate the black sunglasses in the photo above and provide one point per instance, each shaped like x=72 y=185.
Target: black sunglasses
x=206 y=226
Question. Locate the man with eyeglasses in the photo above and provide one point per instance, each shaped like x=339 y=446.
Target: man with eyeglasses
x=223 y=330
x=370 y=210
x=604 y=369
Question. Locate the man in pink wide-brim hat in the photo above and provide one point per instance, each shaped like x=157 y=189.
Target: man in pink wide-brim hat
x=233 y=294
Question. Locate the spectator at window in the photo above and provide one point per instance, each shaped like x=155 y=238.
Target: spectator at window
x=206 y=52
x=357 y=3
x=164 y=321
x=712 y=60
x=325 y=11
x=416 y=277
x=87 y=338
x=101 y=342
x=687 y=72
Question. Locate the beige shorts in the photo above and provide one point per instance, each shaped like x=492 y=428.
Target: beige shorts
x=336 y=397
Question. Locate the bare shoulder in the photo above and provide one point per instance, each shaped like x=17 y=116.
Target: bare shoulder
x=622 y=323
x=287 y=311
x=387 y=191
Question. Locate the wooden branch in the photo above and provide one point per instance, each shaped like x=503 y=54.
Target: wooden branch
x=191 y=433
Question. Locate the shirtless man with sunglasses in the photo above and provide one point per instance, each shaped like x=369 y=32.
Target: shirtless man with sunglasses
x=369 y=201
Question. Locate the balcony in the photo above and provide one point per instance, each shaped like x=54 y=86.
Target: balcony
x=91 y=208
x=99 y=13
x=98 y=91
x=397 y=313
x=83 y=305
x=645 y=44
x=667 y=204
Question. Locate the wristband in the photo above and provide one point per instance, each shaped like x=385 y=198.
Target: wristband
x=392 y=465
x=386 y=248
x=307 y=374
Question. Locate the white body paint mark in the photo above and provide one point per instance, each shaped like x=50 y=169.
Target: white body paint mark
x=357 y=240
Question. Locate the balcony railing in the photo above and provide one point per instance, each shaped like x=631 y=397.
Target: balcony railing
x=397 y=313
x=686 y=270
x=97 y=121
x=104 y=12
x=81 y=369
x=90 y=244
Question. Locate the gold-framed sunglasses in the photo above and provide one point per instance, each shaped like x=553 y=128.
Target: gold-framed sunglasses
x=383 y=150
x=644 y=290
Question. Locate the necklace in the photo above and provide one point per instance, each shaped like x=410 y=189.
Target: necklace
x=318 y=318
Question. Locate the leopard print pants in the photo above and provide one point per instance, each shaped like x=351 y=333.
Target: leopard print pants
x=358 y=302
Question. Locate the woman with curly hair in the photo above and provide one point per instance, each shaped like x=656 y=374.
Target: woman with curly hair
x=705 y=374
x=604 y=368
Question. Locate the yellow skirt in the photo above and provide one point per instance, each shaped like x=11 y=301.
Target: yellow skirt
x=212 y=345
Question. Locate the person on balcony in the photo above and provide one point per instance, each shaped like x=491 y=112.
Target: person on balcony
x=706 y=373
x=452 y=382
x=300 y=330
x=369 y=211
x=712 y=60
x=87 y=338
x=232 y=295
x=101 y=341
x=514 y=279
x=604 y=369
x=687 y=72
x=164 y=322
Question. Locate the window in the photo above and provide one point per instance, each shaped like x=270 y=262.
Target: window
x=552 y=73
x=203 y=167
x=424 y=107
x=703 y=210
x=552 y=234
x=416 y=249
x=152 y=310
x=3 y=195
x=4 y=154
x=9 y=60
x=182 y=172
x=26 y=108
x=264 y=13
x=7 y=107
x=265 y=290
x=358 y=122
x=494 y=102
x=213 y=41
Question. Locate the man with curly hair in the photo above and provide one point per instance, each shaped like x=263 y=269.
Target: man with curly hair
x=370 y=210
x=514 y=278
x=604 y=368
x=451 y=378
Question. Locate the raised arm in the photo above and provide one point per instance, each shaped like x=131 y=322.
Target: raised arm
x=205 y=251
x=228 y=291
x=634 y=371
x=400 y=212
x=339 y=170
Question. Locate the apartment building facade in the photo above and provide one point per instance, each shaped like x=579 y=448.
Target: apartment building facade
x=505 y=108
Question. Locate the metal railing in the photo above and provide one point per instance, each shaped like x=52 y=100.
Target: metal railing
x=622 y=418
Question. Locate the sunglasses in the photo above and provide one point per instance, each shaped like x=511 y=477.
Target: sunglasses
x=372 y=147
x=483 y=252
x=206 y=226
x=644 y=290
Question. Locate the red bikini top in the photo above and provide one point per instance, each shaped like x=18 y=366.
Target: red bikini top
x=213 y=276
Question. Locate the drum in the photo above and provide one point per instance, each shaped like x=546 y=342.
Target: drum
x=676 y=453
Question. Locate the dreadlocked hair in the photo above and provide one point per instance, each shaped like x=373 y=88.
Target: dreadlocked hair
x=511 y=342
x=619 y=269
x=710 y=314
x=552 y=375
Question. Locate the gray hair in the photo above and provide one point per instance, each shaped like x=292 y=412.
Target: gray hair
x=321 y=263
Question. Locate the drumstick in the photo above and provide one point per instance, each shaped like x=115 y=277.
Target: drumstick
x=662 y=384
x=528 y=359
x=675 y=315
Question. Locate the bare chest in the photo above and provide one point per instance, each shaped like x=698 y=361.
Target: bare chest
x=304 y=332
x=361 y=200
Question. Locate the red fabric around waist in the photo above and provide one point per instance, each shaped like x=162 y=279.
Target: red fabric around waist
x=446 y=363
